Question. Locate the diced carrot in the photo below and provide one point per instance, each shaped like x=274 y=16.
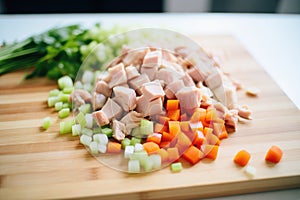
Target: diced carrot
x=184 y=117
x=183 y=142
x=242 y=158
x=173 y=154
x=211 y=151
x=174 y=114
x=154 y=137
x=172 y=104
x=224 y=134
x=206 y=123
x=211 y=114
x=274 y=154
x=163 y=154
x=164 y=120
x=151 y=147
x=164 y=144
x=198 y=139
x=185 y=126
x=166 y=136
x=212 y=139
x=207 y=130
x=113 y=147
x=192 y=155
x=174 y=128
x=160 y=128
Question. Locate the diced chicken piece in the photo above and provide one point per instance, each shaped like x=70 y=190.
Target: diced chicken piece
x=135 y=57
x=131 y=120
x=152 y=90
x=103 y=76
x=118 y=75
x=195 y=73
x=214 y=80
x=103 y=88
x=149 y=71
x=125 y=97
x=168 y=75
x=98 y=101
x=119 y=130
x=149 y=108
x=244 y=112
x=173 y=66
x=80 y=97
x=100 y=117
x=189 y=97
x=131 y=72
x=227 y=95
x=137 y=82
x=152 y=59
x=221 y=109
x=188 y=81
x=173 y=88
x=168 y=56
x=110 y=110
x=231 y=119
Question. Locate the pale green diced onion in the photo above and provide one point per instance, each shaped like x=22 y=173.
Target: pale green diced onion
x=176 y=167
x=63 y=113
x=102 y=148
x=128 y=151
x=93 y=146
x=134 y=166
x=125 y=142
x=89 y=120
x=46 y=123
x=54 y=93
x=58 y=106
x=156 y=161
x=138 y=147
x=101 y=138
x=65 y=82
x=86 y=131
x=76 y=129
x=85 y=140
x=147 y=164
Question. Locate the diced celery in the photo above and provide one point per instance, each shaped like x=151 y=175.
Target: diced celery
x=107 y=131
x=97 y=130
x=135 y=132
x=93 y=146
x=134 y=141
x=68 y=90
x=128 y=151
x=63 y=113
x=58 y=106
x=134 y=166
x=80 y=118
x=156 y=161
x=85 y=108
x=85 y=139
x=52 y=101
x=147 y=164
x=138 y=147
x=67 y=105
x=102 y=148
x=146 y=127
x=101 y=138
x=76 y=129
x=66 y=126
x=125 y=143
x=46 y=123
x=86 y=131
x=65 y=82
x=54 y=93
x=64 y=97
x=176 y=167
x=140 y=156
x=89 y=120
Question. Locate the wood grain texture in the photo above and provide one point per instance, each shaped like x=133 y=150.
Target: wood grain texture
x=36 y=164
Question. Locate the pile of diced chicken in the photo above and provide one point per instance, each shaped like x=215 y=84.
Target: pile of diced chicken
x=138 y=82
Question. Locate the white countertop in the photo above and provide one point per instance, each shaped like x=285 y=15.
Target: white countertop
x=272 y=39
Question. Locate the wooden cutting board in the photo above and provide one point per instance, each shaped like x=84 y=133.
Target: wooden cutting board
x=36 y=164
